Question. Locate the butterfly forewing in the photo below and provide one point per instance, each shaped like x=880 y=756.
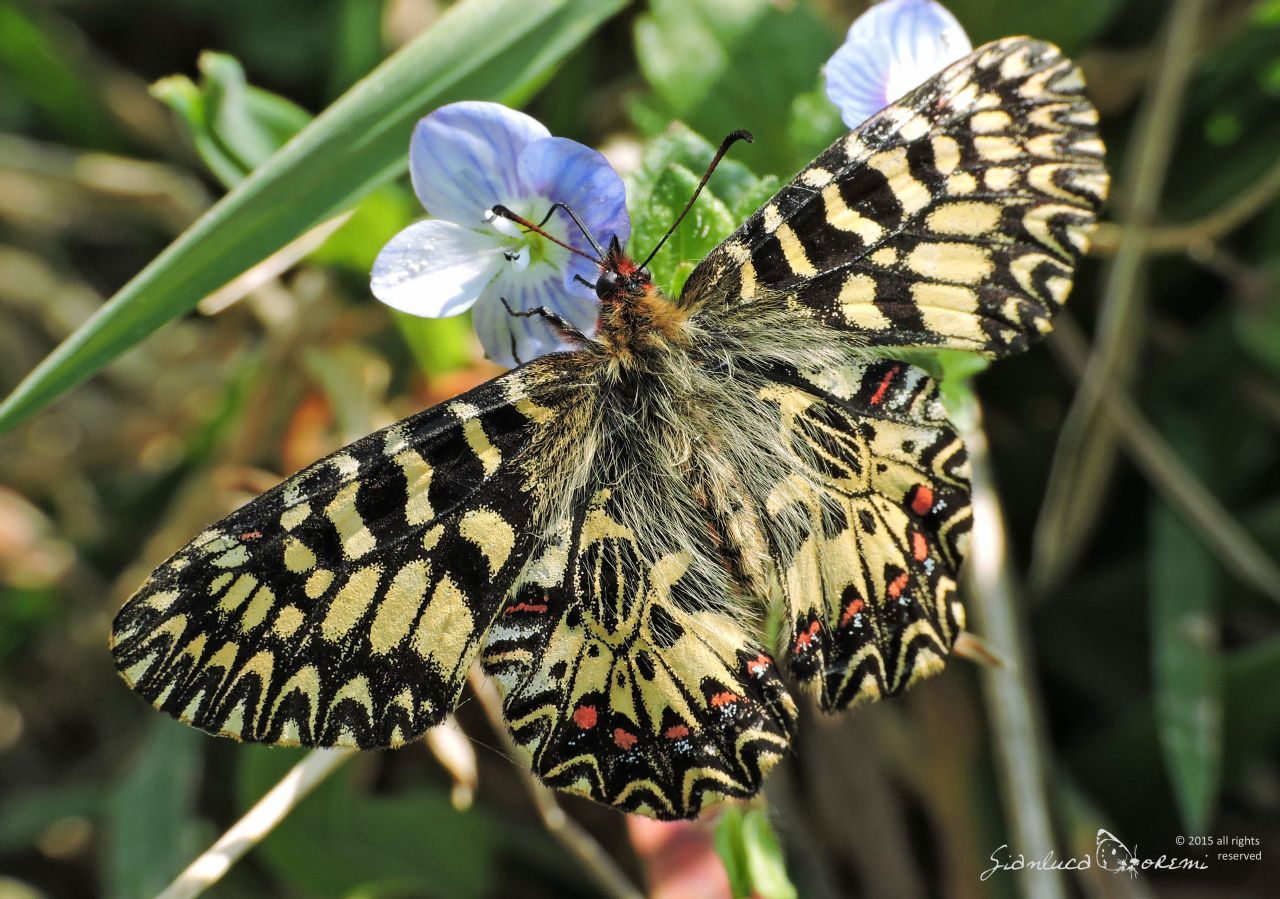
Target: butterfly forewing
x=952 y=219
x=343 y=607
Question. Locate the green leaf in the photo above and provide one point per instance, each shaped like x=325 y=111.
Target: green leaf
x=251 y=123
x=703 y=62
x=1187 y=666
x=233 y=125
x=752 y=855
x=660 y=188
x=339 y=842
x=499 y=49
x=151 y=817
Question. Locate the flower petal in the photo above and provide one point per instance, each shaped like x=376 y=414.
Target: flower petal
x=565 y=171
x=464 y=158
x=511 y=340
x=435 y=268
x=890 y=49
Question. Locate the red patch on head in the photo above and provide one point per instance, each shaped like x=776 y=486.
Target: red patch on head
x=919 y=546
x=725 y=698
x=898 y=585
x=878 y=396
x=676 y=732
x=623 y=739
x=759 y=665
x=585 y=716
x=922 y=502
x=850 y=610
x=624 y=266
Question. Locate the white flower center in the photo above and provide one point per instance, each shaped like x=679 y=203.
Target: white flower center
x=524 y=249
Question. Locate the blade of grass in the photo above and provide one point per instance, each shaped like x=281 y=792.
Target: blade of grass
x=499 y=49
x=259 y=821
x=1186 y=662
x=1022 y=755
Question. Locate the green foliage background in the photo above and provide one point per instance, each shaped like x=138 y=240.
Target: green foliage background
x=141 y=169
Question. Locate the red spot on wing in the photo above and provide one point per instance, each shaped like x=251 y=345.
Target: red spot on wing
x=759 y=665
x=919 y=546
x=922 y=502
x=878 y=396
x=538 y=608
x=251 y=535
x=850 y=610
x=804 y=638
x=585 y=716
x=623 y=739
x=898 y=584
x=676 y=732
x=725 y=698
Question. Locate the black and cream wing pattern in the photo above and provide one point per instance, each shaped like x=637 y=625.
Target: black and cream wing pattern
x=953 y=218
x=344 y=606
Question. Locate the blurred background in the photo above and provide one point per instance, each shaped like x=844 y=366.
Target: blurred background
x=1134 y=457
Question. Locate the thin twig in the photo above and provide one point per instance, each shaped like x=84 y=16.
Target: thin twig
x=608 y=876
x=1186 y=237
x=1222 y=534
x=1083 y=458
x=1013 y=705
x=256 y=824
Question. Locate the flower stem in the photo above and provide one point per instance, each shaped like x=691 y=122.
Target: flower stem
x=1013 y=706
x=256 y=824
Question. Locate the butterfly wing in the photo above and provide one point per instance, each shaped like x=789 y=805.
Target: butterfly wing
x=952 y=218
x=870 y=583
x=623 y=692
x=342 y=608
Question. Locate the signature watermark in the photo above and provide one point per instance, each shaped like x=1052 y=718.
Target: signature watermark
x=1110 y=854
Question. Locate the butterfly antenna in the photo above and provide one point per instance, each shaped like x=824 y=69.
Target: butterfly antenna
x=503 y=212
x=715 y=161
x=595 y=245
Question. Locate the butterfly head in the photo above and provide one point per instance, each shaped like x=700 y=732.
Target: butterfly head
x=620 y=276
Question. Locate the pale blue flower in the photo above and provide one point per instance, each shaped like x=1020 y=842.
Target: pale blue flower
x=464 y=159
x=890 y=49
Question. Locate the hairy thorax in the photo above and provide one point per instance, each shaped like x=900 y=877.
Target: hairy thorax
x=677 y=431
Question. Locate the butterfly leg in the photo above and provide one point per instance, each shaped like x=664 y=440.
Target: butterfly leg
x=559 y=323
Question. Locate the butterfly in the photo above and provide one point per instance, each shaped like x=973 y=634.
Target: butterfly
x=614 y=530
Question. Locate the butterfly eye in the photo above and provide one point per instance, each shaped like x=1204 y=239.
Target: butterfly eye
x=607 y=283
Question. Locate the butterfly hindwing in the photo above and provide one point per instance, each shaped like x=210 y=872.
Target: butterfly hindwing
x=620 y=691
x=870 y=585
x=952 y=219
x=343 y=607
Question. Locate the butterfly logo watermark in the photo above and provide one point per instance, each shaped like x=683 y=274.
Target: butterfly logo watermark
x=1114 y=856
